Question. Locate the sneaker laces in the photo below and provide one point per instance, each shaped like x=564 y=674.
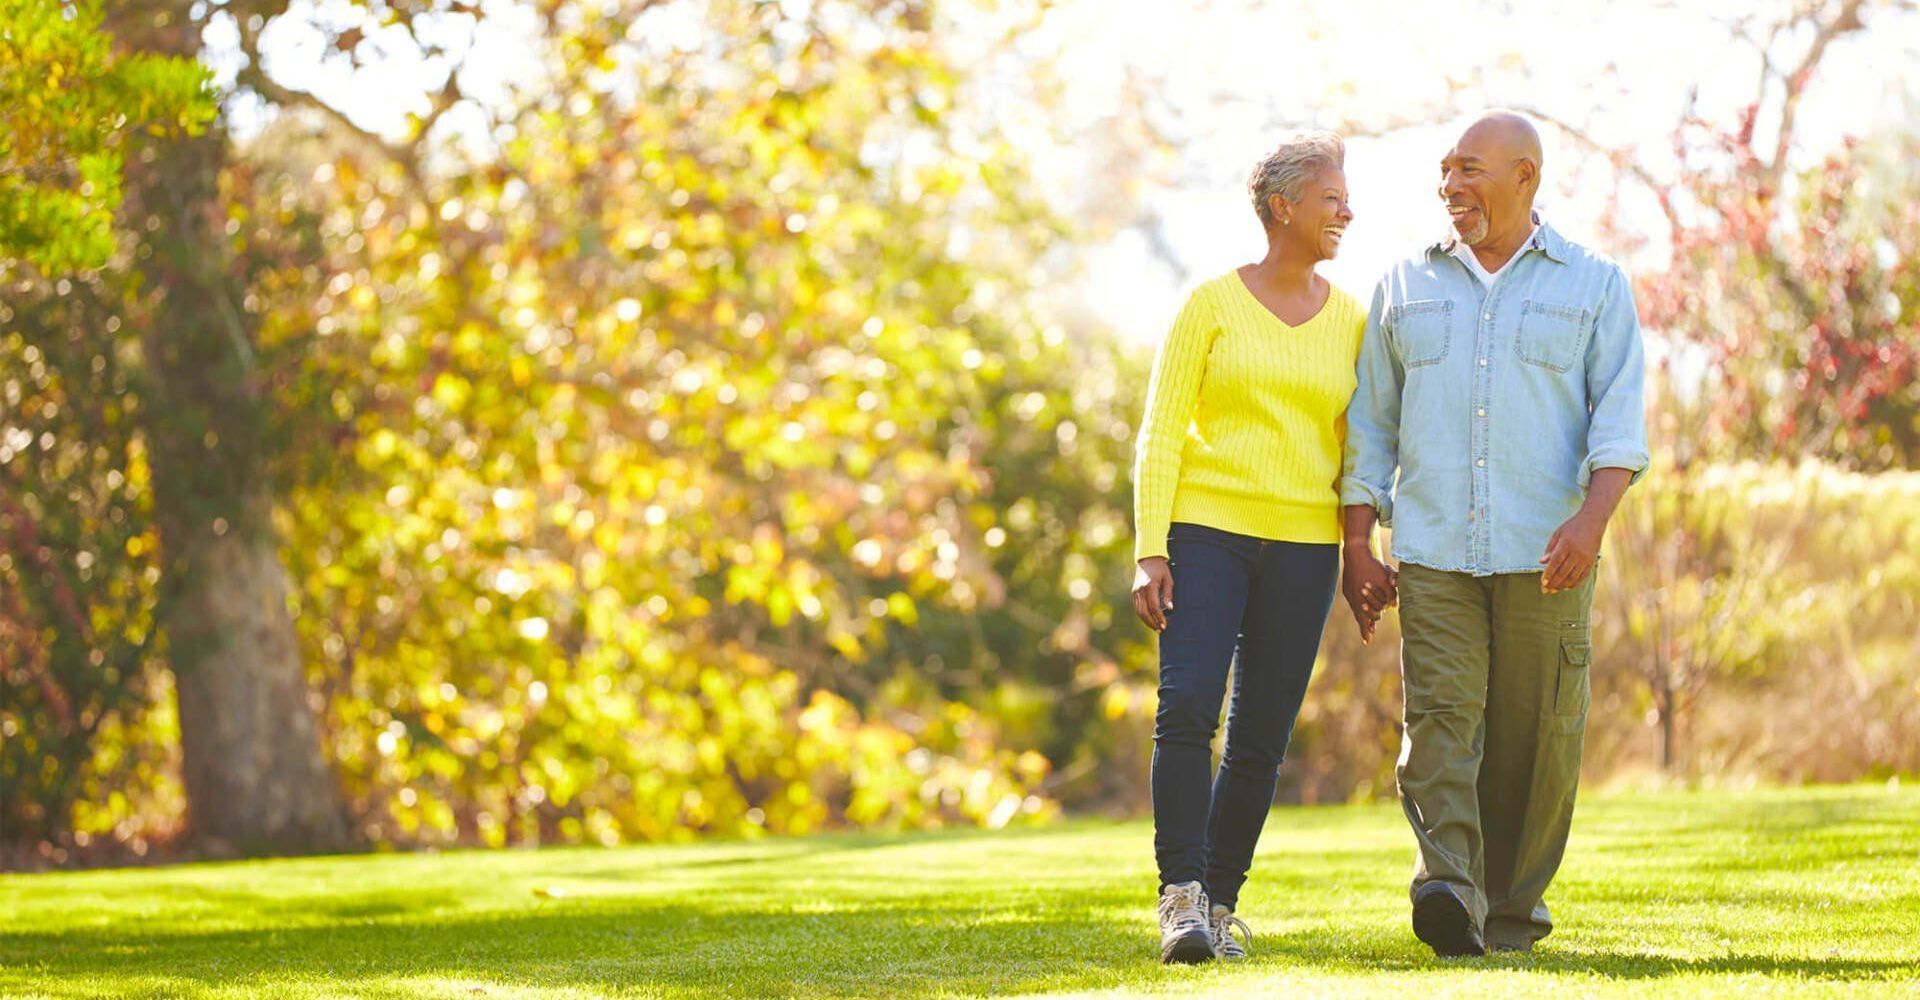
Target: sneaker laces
x=1181 y=909
x=1224 y=923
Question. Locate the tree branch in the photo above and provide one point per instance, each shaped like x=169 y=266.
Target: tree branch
x=1846 y=21
x=404 y=155
x=1621 y=161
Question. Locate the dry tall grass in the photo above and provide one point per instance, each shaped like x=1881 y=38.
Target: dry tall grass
x=1752 y=622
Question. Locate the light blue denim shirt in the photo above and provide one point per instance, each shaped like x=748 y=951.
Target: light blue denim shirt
x=1493 y=405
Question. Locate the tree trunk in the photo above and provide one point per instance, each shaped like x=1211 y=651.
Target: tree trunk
x=255 y=776
x=1666 y=733
x=254 y=773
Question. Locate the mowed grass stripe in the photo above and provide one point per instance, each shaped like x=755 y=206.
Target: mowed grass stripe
x=1770 y=892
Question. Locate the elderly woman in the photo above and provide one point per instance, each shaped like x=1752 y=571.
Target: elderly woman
x=1237 y=521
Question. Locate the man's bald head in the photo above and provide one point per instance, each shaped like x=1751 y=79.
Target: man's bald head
x=1512 y=133
x=1489 y=178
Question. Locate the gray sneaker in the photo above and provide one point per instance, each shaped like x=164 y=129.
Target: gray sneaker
x=1221 y=926
x=1184 y=938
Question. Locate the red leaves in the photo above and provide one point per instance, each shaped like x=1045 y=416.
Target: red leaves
x=1805 y=306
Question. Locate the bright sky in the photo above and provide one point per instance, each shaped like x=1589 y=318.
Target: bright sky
x=1620 y=70
x=1223 y=78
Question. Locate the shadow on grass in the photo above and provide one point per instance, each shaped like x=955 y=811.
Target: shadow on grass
x=1636 y=966
x=794 y=917
x=341 y=907
x=1396 y=950
x=915 y=947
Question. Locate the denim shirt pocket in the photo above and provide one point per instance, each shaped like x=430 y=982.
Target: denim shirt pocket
x=1423 y=330
x=1551 y=335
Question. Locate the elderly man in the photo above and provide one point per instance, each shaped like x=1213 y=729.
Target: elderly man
x=1500 y=377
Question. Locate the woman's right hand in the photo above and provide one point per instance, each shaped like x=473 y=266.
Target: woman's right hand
x=1153 y=592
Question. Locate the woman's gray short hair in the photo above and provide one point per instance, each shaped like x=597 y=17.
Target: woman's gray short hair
x=1299 y=158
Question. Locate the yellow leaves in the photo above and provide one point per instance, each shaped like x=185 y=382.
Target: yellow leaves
x=382 y=444
x=1121 y=700
x=468 y=342
x=846 y=644
x=451 y=391
x=608 y=438
x=825 y=710
x=780 y=605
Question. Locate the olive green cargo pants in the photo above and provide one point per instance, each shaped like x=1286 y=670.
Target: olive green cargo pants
x=1495 y=675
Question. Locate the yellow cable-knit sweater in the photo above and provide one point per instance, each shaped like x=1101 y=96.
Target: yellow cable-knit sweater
x=1245 y=419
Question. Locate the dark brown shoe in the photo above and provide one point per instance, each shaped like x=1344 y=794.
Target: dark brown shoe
x=1441 y=919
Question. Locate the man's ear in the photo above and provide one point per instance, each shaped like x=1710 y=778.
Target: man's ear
x=1529 y=176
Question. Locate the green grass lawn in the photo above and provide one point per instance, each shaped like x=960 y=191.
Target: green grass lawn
x=1775 y=892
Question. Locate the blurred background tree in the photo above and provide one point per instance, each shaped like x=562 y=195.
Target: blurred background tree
x=78 y=592
x=1787 y=323
x=682 y=425
x=604 y=462
x=661 y=424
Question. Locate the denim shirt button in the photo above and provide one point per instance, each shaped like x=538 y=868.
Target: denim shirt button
x=1546 y=431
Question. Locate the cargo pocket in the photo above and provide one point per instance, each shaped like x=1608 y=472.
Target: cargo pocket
x=1571 y=691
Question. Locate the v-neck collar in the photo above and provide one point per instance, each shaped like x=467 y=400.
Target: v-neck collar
x=1241 y=281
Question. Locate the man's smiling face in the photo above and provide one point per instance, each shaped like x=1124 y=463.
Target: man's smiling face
x=1487 y=183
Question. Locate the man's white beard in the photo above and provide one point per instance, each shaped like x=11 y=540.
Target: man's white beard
x=1473 y=236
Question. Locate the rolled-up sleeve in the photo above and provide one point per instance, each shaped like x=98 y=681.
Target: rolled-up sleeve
x=1372 y=452
x=1616 y=380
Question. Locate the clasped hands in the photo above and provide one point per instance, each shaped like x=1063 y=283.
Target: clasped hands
x=1371 y=587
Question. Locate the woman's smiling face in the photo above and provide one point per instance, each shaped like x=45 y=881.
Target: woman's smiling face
x=1318 y=219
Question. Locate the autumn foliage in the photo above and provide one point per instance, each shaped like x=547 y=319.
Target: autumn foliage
x=683 y=442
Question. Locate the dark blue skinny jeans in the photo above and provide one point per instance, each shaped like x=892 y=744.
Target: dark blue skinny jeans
x=1262 y=605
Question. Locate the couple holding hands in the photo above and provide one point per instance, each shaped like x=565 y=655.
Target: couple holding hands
x=1486 y=406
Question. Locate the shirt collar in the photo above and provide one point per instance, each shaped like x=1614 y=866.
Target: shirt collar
x=1544 y=239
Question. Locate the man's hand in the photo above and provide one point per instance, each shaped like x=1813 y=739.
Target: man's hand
x=1153 y=592
x=1571 y=552
x=1575 y=545
x=1369 y=587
